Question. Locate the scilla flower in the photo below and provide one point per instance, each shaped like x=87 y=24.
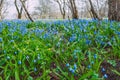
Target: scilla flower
x=19 y=62
x=67 y=65
x=105 y=76
x=103 y=69
x=8 y=57
x=75 y=66
x=35 y=69
x=0 y=39
x=95 y=56
x=34 y=61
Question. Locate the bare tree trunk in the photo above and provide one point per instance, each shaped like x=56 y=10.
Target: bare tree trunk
x=26 y=11
x=19 y=11
x=20 y=14
x=1 y=2
x=1 y=6
x=73 y=9
x=114 y=10
x=94 y=13
x=64 y=12
x=62 y=8
x=118 y=10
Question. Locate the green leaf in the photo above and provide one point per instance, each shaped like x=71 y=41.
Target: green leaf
x=86 y=75
x=115 y=71
x=30 y=78
x=16 y=73
x=1 y=78
x=112 y=62
x=2 y=62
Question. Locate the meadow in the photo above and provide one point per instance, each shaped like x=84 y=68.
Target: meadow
x=60 y=50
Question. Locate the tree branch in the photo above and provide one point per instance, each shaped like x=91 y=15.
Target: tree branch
x=26 y=11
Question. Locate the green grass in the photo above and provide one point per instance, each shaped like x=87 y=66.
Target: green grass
x=60 y=50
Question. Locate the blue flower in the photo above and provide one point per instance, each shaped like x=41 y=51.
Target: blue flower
x=72 y=38
x=38 y=31
x=71 y=70
x=67 y=65
x=75 y=66
x=34 y=61
x=15 y=37
x=15 y=52
x=86 y=36
x=105 y=76
x=23 y=30
x=77 y=51
x=46 y=36
x=75 y=56
x=88 y=42
x=55 y=32
x=95 y=32
x=92 y=62
x=11 y=41
x=113 y=38
x=72 y=27
x=4 y=52
x=102 y=43
x=8 y=57
x=0 y=39
x=103 y=69
x=35 y=69
x=38 y=57
x=19 y=62
x=118 y=33
x=109 y=43
x=89 y=66
x=95 y=56
x=58 y=44
x=27 y=57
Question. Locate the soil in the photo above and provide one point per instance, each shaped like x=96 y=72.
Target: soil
x=108 y=70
